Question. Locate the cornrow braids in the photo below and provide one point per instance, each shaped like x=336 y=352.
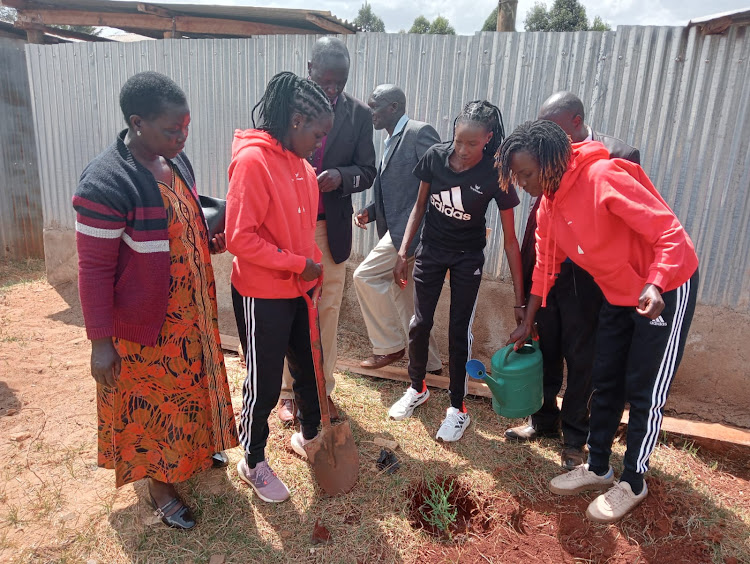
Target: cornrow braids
x=549 y=145
x=285 y=94
x=482 y=112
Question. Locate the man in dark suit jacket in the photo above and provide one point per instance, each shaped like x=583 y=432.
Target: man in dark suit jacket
x=387 y=310
x=345 y=164
x=568 y=324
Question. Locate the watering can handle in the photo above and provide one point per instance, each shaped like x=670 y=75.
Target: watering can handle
x=533 y=342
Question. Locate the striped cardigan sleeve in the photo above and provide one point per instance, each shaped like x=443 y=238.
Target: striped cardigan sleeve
x=99 y=228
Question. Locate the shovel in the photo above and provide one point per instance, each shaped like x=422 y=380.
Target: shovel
x=332 y=454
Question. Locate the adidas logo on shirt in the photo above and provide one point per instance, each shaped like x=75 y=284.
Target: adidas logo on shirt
x=659 y=322
x=449 y=202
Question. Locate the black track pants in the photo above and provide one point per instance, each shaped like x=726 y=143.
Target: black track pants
x=272 y=330
x=636 y=360
x=567 y=329
x=430 y=268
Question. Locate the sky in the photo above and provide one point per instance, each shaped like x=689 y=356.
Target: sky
x=467 y=16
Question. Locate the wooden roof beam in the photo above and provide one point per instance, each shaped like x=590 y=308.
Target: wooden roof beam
x=184 y=24
x=67 y=33
x=155 y=10
x=328 y=25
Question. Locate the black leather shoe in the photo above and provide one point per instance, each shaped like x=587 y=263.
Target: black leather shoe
x=437 y=372
x=220 y=460
x=570 y=457
x=527 y=432
x=182 y=519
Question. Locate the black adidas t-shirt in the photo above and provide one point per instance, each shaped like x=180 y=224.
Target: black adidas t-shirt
x=458 y=201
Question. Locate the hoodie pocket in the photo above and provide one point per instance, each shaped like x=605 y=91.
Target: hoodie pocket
x=622 y=286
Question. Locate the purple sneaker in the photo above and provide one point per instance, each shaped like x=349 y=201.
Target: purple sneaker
x=264 y=481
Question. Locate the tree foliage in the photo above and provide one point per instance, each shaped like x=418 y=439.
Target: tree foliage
x=599 y=25
x=88 y=29
x=439 y=26
x=7 y=14
x=490 y=24
x=564 y=15
x=366 y=19
x=537 y=18
x=420 y=25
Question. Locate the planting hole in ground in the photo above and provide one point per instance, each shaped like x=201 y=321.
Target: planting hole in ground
x=445 y=508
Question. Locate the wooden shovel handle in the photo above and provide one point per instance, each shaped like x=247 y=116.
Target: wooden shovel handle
x=316 y=347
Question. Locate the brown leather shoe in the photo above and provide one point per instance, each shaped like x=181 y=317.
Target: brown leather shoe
x=332 y=410
x=287 y=411
x=381 y=360
x=570 y=457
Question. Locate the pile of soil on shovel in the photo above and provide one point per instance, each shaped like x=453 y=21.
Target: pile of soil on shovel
x=471 y=517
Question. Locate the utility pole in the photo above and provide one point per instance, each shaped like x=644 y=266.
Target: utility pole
x=506 y=15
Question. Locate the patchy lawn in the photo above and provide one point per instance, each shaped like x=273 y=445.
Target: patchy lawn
x=57 y=506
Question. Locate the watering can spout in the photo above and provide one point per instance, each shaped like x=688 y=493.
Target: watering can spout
x=476 y=369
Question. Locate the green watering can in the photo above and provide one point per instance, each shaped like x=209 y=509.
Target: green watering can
x=515 y=381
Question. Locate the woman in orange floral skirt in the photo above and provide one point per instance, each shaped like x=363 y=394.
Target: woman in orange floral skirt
x=149 y=303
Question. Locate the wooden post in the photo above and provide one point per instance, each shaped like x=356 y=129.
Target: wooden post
x=35 y=36
x=172 y=32
x=506 y=15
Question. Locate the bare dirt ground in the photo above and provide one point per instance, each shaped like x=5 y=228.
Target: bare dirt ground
x=57 y=506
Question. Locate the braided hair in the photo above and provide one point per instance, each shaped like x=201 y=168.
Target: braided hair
x=489 y=116
x=549 y=145
x=285 y=95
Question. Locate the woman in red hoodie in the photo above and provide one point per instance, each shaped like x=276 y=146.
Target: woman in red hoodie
x=270 y=229
x=609 y=219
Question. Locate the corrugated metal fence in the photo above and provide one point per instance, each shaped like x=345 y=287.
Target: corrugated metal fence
x=678 y=96
x=20 y=193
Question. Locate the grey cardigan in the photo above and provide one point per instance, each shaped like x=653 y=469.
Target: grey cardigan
x=396 y=187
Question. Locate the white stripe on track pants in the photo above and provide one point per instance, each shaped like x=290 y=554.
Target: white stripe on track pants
x=636 y=360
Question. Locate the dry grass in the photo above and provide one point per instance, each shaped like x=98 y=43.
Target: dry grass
x=20 y=272
x=368 y=525
x=71 y=511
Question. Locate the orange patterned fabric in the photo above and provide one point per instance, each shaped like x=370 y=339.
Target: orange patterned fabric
x=172 y=410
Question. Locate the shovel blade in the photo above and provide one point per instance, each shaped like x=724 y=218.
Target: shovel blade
x=334 y=458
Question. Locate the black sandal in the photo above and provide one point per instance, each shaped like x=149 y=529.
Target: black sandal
x=183 y=518
x=220 y=460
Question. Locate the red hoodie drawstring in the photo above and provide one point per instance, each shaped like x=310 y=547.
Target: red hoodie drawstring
x=547 y=270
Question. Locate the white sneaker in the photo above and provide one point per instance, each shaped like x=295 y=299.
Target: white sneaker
x=613 y=505
x=580 y=479
x=454 y=425
x=404 y=407
x=298 y=444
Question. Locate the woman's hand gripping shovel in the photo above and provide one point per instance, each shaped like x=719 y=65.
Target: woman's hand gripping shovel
x=332 y=454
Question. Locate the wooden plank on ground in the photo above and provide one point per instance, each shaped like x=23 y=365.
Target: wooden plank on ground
x=229 y=343
x=400 y=375
x=704 y=433
x=707 y=431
